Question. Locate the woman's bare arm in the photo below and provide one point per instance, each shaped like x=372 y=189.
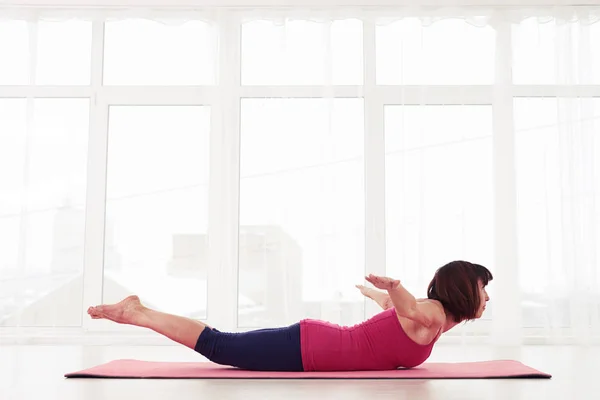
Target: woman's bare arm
x=427 y=314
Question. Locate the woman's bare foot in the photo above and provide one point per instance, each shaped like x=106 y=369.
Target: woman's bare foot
x=128 y=311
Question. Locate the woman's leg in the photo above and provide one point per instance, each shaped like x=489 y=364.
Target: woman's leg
x=381 y=298
x=131 y=312
x=277 y=349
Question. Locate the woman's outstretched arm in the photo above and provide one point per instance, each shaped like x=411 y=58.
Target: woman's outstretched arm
x=425 y=313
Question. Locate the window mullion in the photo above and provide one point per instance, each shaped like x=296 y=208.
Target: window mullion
x=93 y=270
x=225 y=176
x=506 y=325
x=375 y=252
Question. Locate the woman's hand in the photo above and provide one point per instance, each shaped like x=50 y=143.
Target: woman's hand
x=382 y=282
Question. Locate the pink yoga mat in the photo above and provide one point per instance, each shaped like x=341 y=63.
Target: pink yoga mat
x=208 y=370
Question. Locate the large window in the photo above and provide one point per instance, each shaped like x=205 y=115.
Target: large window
x=249 y=171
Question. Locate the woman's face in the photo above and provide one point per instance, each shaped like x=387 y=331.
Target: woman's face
x=484 y=299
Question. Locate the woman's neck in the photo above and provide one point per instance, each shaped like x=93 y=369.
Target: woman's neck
x=450 y=323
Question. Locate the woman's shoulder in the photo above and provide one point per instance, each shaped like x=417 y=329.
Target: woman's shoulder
x=430 y=301
x=419 y=333
x=433 y=308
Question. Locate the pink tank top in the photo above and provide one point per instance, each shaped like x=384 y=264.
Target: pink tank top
x=378 y=343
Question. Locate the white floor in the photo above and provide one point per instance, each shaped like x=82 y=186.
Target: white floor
x=36 y=372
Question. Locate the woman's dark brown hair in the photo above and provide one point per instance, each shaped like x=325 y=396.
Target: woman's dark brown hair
x=456 y=286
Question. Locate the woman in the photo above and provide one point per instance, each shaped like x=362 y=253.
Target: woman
x=401 y=336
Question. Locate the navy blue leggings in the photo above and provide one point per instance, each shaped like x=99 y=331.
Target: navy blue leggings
x=275 y=349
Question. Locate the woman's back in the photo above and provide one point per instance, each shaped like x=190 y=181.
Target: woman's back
x=379 y=343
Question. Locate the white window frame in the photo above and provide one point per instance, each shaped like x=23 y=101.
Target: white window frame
x=224 y=190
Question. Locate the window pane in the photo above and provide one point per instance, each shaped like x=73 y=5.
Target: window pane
x=550 y=53
x=64 y=53
x=14 y=48
x=558 y=155
x=13 y=281
x=448 y=52
x=439 y=193
x=143 y=52
x=156 y=243
x=302 y=211
x=302 y=53
x=42 y=211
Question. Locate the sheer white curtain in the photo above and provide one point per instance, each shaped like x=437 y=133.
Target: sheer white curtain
x=256 y=164
x=557 y=148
